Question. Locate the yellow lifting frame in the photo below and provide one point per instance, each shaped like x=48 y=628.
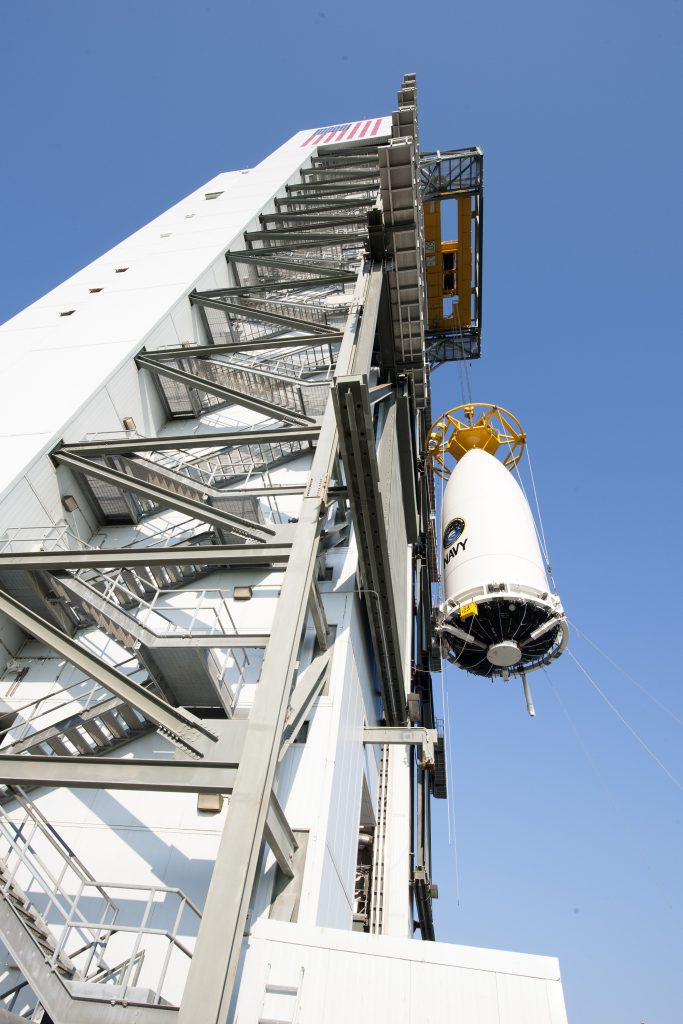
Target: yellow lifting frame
x=455 y=435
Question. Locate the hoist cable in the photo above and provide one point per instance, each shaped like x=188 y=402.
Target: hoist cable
x=626 y=724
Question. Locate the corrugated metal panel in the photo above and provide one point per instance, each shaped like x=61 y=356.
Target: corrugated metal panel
x=42 y=478
x=124 y=391
x=21 y=508
x=98 y=415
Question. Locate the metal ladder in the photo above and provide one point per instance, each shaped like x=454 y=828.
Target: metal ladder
x=281 y=1000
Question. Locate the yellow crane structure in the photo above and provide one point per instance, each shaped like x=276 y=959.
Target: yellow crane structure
x=453 y=266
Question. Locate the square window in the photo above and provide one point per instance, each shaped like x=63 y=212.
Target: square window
x=121 y=270
x=93 y=291
x=67 y=312
x=212 y=195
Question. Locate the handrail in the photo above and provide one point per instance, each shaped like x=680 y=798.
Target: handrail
x=51 y=885
x=49 y=708
x=54 y=838
x=72 y=903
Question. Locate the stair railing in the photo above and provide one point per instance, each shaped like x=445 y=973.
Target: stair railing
x=148 y=965
x=25 y=538
x=45 y=708
x=25 y=868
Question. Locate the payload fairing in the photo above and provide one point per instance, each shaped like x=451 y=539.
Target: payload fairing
x=499 y=615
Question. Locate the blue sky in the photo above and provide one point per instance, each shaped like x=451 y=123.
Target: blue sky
x=569 y=834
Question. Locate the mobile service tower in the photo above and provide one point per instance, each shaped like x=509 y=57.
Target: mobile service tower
x=218 y=621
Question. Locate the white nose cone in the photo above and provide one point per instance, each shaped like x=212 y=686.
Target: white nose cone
x=497 y=602
x=497 y=542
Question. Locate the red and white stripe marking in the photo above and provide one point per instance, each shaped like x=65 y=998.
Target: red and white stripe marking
x=357 y=129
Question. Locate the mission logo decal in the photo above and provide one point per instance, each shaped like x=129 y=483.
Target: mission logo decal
x=451 y=539
x=453 y=532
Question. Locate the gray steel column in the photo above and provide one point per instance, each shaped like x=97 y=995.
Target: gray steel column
x=217 y=952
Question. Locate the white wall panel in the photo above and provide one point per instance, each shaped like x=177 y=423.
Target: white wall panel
x=67 y=358
x=342 y=977
x=397 y=917
x=21 y=508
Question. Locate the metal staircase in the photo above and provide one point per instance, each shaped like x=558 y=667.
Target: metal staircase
x=277 y=390
x=219 y=468
x=17 y=902
x=34 y=590
x=187 y=673
x=243 y=506
x=194 y=482
x=65 y=933
x=296 y=362
x=89 y=722
x=91 y=731
x=164 y=477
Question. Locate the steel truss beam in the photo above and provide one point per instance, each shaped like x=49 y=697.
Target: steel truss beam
x=404 y=736
x=357 y=446
x=193 y=380
x=289 y=285
x=183 y=442
x=366 y=150
x=342 y=188
x=340 y=173
x=317 y=610
x=324 y=164
x=456 y=172
x=323 y=204
x=180 y=726
x=308 y=686
x=280 y=837
x=217 y=641
x=253 y=313
x=189 y=506
x=313 y=239
x=227 y=555
x=309 y=220
x=287 y=250
x=261 y=258
x=207 y=351
x=308 y=223
x=308 y=186
x=112 y=773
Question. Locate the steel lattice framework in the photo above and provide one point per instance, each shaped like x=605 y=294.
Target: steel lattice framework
x=321 y=326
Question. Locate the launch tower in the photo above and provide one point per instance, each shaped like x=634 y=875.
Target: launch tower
x=218 y=740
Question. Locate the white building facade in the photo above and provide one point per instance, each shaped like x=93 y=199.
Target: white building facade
x=218 y=741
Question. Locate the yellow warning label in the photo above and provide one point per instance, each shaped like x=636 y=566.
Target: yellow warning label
x=467 y=610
